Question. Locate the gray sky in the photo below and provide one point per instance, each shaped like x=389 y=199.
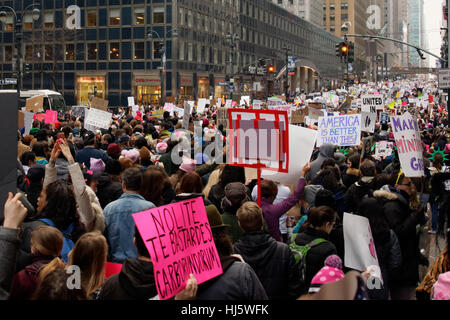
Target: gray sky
x=433 y=23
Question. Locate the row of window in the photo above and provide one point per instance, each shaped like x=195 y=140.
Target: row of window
x=344 y=6
x=92 y=18
x=344 y=17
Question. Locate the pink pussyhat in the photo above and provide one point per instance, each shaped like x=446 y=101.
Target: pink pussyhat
x=441 y=289
x=332 y=272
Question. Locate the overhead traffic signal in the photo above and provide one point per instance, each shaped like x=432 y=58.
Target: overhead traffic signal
x=26 y=68
x=351 y=52
x=271 y=69
x=344 y=49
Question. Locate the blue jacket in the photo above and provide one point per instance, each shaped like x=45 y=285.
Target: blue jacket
x=120 y=225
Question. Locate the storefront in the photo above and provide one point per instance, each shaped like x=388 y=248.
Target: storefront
x=203 y=87
x=220 y=88
x=147 y=89
x=186 y=87
x=89 y=87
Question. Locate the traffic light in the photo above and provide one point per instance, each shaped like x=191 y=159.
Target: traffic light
x=262 y=63
x=338 y=49
x=351 y=52
x=344 y=49
x=271 y=69
x=421 y=54
x=26 y=68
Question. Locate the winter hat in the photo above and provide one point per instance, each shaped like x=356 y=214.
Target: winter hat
x=201 y=158
x=235 y=195
x=332 y=272
x=161 y=147
x=441 y=289
x=114 y=150
x=132 y=154
x=188 y=164
x=214 y=217
x=124 y=138
x=205 y=122
x=97 y=165
x=311 y=192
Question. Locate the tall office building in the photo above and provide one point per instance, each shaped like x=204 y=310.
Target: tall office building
x=417 y=31
x=310 y=10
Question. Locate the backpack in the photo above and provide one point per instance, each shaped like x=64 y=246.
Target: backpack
x=300 y=252
x=67 y=236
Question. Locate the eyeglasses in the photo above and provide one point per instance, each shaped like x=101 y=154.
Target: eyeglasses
x=408 y=184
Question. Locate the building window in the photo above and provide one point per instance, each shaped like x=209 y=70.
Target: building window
x=49 y=20
x=28 y=52
x=114 y=17
x=332 y=18
x=92 y=51
x=139 y=52
x=114 y=50
x=8 y=53
x=158 y=15
x=344 y=6
x=49 y=54
x=332 y=7
x=27 y=22
x=9 y=23
x=70 y=52
x=139 y=15
x=344 y=17
x=91 y=18
x=157 y=46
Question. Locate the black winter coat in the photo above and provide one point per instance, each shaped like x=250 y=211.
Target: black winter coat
x=134 y=282
x=401 y=220
x=108 y=191
x=273 y=262
x=356 y=193
x=315 y=258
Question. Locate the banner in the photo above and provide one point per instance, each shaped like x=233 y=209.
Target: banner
x=301 y=145
x=51 y=116
x=180 y=242
x=98 y=118
x=343 y=131
x=360 y=251
x=375 y=101
x=409 y=144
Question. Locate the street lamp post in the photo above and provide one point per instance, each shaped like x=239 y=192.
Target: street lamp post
x=232 y=39
x=18 y=38
x=163 y=60
x=286 y=77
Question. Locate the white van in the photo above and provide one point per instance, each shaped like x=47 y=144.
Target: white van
x=52 y=100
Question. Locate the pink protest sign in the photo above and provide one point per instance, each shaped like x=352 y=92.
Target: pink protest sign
x=39 y=116
x=112 y=269
x=51 y=116
x=180 y=242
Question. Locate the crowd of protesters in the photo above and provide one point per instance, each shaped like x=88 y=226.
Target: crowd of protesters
x=77 y=190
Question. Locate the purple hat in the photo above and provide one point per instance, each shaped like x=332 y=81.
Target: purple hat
x=132 y=154
x=97 y=165
x=201 y=158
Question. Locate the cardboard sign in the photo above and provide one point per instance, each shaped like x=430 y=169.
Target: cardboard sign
x=100 y=104
x=301 y=146
x=98 y=118
x=343 y=131
x=360 y=251
x=20 y=119
x=259 y=138
x=409 y=144
x=51 y=116
x=35 y=104
x=375 y=101
x=180 y=242
x=298 y=116
x=315 y=105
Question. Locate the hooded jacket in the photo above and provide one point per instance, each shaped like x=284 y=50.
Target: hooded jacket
x=325 y=151
x=356 y=193
x=135 y=282
x=403 y=222
x=274 y=264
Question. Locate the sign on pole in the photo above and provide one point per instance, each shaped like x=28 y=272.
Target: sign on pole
x=180 y=242
x=444 y=78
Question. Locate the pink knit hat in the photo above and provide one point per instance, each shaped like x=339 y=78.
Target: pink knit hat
x=332 y=272
x=97 y=165
x=441 y=289
x=161 y=147
x=188 y=164
x=132 y=154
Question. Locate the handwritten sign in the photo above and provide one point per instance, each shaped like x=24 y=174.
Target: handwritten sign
x=257 y=104
x=51 y=116
x=375 y=101
x=369 y=119
x=409 y=144
x=130 y=101
x=98 y=118
x=100 y=104
x=298 y=116
x=35 y=104
x=158 y=113
x=78 y=111
x=187 y=114
x=342 y=130
x=202 y=105
x=228 y=103
x=180 y=242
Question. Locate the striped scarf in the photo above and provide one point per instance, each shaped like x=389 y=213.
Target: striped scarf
x=442 y=265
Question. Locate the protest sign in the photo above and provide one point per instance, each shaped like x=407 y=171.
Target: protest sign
x=51 y=116
x=111 y=269
x=130 y=101
x=35 y=104
x=186 y=115
x=384 y=118
x=257 y=104
x=374 y=101
x=78 y=111
x=169 y=107
x=343 y=131
x=259 y=139
x=228 y=103
x=222 y=118
x=180 y=242
x=158 y=113
x=179 y=111
x=245 y=100
x=383 y=149
x=202 y=105
x=369 y=119
x=315 y=105
x=28 y=121
x=301 y=145
x=134 y=110
x=20 y=119
x=409 y=144
x=314 y=114
x=360 y=251
x=99 y=104
x=275 y=101
x=98 y=118
x=298 y=116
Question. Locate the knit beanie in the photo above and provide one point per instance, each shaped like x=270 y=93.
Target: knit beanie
x=331 y=272
x=441 y=289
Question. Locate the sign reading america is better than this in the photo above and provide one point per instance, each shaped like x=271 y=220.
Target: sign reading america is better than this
x=343 y=131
